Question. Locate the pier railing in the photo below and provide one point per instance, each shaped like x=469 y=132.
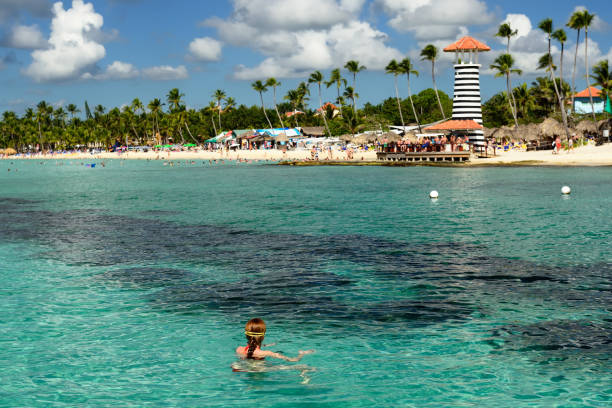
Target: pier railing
x=457 y=157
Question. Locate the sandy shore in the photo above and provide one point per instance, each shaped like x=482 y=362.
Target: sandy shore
x=583 y=156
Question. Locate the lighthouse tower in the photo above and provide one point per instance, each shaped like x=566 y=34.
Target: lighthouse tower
x=467 y=104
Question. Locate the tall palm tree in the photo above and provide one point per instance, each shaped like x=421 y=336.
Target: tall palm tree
x=354 y=68
x=260 y=87
x=349 y=93
x=575 y=22
x=155 y=107
x=587 y=20
x=175 y=99
x=317 y=78
x=394 y=69
x=505 y=31
x=546 y=25
x=212 y=108
x=42 y=112
x=219 y=96
x=546 y=62
x=293 y=96
x=430 y=53
x=272 y=82
x=408 y=69
x=504 y=67
x=336 y=79
x=304 y=92
x=560 y=36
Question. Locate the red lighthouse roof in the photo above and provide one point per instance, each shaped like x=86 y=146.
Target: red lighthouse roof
x=466 y=44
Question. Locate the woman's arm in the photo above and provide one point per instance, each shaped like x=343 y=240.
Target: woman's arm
x=292 y=359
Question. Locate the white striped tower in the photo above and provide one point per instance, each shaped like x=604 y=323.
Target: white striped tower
x=467 y=104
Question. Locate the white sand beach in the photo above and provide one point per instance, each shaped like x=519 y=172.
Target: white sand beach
x=589 y=155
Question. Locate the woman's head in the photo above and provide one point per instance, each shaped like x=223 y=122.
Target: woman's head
x=255 y=330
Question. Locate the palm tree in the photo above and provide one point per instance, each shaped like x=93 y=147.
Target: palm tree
x=260 y=87
x=155 y=108
x=72 y=110
x=505 y=31
x=575 y=22
x=394 y=69
x=272 y=82
x=304 y=92
x=212 y=108
x=525 y=100
x=293 y=96
x=587 y=20
x=336 y=78
x=42 y=112
x=560 y=36
x=317 y=78
x=546 y=25
x=219 y=96
x=504 y=67
x=546 y=62
x=175 y=99
x=430 y=53
x=354 y=68
x=603 y=77
x=349 y=93
x=408 y=69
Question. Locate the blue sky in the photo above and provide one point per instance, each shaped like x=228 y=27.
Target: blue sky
x=111 y=51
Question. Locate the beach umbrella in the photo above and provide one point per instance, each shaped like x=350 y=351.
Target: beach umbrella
x=410 y=137
x=190 y=145
x=10 y=151
x=346 y=138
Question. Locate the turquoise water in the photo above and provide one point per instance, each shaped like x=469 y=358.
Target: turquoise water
x=130 y=284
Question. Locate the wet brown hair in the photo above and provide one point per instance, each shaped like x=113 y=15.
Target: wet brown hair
x=255 y=325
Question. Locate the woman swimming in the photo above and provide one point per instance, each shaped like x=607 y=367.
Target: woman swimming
x=255 y=330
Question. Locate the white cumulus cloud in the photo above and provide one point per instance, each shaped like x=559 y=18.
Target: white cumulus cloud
x=431 y=20
x=71 y=48
x=165 y=73
x=116 y=70
x=205 y=49
x=26 y=37
x=296 y=37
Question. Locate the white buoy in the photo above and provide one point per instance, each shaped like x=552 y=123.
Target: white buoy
x=566 y=190
x=433 y=194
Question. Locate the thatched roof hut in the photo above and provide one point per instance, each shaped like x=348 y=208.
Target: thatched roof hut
x=315 y=131
x=346 y=138
x=389 y=137
x=282 y=138
x=365 y=138
x=587 y=126
x=528 y=132
x=604 y=124
x=411 y=137
x=551 y=128
x=9 y=151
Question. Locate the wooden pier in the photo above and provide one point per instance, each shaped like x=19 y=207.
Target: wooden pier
x=453 y=157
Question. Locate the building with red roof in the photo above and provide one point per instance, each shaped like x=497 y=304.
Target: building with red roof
x=582 y=101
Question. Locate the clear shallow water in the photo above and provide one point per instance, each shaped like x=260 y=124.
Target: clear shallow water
x=130 y=285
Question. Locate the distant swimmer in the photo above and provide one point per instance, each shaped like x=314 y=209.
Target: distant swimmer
x=255 y=330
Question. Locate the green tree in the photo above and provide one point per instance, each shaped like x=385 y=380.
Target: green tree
x=394 y=69
x=354 y=68
x=575 y=22
x=260 y=87
x=219 y=96
x=273 y=83
x=505 y=31
x=587 y=20
x=546 y=62
x=407 y=68
x=430 y=53
x=504 y=65
x=603 y=77
x=560 y=36
x=317 y=78
x=336 y=79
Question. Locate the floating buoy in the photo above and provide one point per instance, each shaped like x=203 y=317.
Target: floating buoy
x=433 y=194
x=566 y=190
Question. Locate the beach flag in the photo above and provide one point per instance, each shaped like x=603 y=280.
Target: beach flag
x=608 y=105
